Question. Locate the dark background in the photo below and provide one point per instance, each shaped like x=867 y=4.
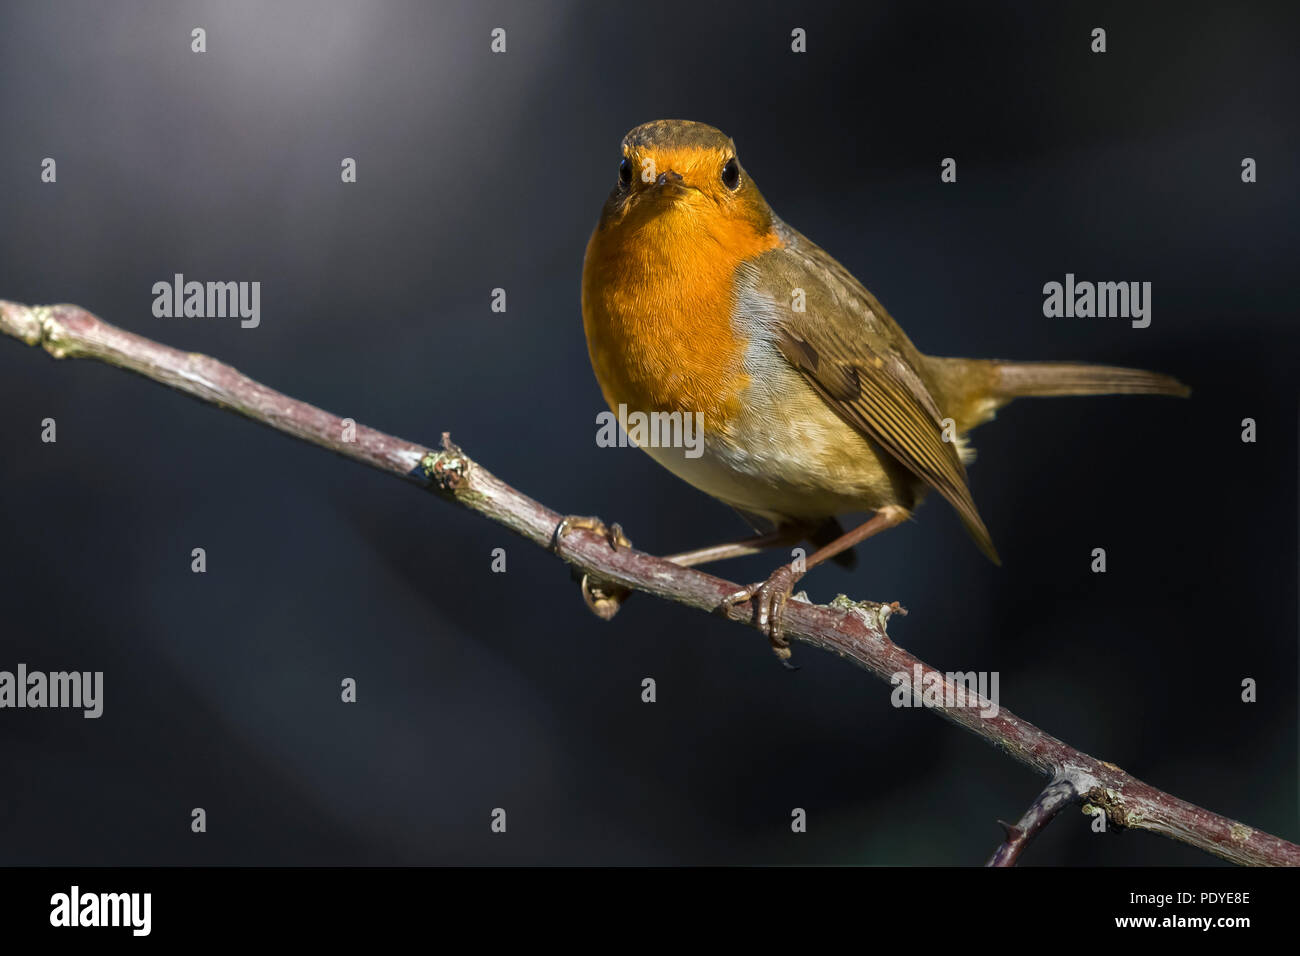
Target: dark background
x=481 y=690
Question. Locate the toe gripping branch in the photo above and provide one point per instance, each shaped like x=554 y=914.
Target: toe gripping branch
x=603 y=598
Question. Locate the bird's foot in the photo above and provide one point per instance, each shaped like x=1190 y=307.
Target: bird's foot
x=612 y=533
x=603 y=598
x=769 y=599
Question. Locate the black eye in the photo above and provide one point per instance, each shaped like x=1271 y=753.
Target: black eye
x=625 y=172
x=731 y=174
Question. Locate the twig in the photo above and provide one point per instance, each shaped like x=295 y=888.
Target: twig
x=1056 y=796
x=853 y=631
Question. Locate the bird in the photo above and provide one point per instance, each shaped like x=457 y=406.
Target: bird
x=698 y=300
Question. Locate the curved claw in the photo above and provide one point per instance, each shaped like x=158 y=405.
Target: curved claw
x=769 y=599
x=603 y=598
x=612 y=533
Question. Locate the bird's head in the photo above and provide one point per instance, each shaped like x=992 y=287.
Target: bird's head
x=687 y=172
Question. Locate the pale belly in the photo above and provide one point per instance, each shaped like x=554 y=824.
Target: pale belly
x=788 y=457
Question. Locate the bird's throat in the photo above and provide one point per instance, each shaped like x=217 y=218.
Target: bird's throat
x=658 y=296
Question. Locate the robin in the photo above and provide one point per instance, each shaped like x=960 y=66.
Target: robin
x=697 y=300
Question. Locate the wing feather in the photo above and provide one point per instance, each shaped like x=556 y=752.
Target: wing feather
x=864 y=368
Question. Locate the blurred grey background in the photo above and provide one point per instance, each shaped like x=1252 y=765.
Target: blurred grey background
x=481 y=690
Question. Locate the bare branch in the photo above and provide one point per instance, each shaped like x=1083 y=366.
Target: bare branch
x=1056 y=796
x=852 y=630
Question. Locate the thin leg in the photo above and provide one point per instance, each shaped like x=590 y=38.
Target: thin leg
x=770 y=596
x=604 y=599
x=885 y=518
x=829 y=530
x=736 y=549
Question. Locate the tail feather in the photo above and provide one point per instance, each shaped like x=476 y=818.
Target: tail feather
x=1043 y=379
x=974 y=389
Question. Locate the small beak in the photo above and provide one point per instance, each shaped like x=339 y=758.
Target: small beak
x=667 y=188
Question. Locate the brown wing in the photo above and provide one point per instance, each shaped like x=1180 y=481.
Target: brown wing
x=864 y=367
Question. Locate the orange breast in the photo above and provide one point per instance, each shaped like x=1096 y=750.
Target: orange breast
x=657 y=300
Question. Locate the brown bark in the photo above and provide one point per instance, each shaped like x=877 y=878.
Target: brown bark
x=853 y=631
